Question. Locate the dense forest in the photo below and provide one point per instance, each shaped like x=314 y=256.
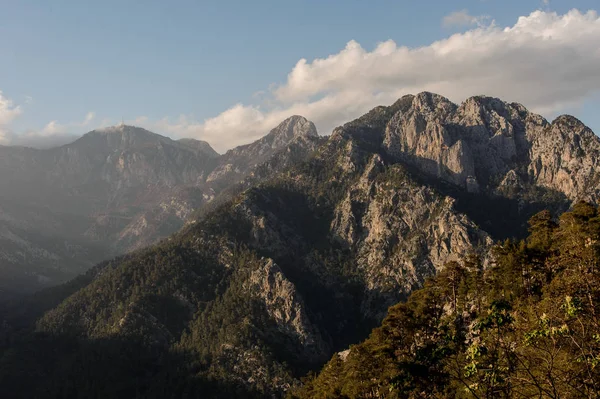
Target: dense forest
x=162 y=323
x=526 y=327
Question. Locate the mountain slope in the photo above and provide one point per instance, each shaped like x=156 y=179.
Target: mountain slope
x=200 y=146
x=291 y=142
x=115 y=190
x=526 y=327
x=238 y=162
x=266 y=285
x=59 y=205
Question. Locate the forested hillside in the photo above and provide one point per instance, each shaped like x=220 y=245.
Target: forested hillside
x=527 y=327
x=305 y=257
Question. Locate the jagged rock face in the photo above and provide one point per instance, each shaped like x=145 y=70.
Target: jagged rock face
x=420 y=136
x=398 y=231
x=286 y=307
x=566 y=157
x=238 y=162
x=401 y=234
x=479 y=142
x=496 y=134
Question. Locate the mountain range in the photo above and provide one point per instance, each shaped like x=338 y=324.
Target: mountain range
x=115 y=190
x=287 y=250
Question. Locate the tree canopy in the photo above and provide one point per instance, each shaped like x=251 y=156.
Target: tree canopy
x=525 y=327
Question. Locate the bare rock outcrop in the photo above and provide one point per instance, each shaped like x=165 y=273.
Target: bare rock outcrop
x=286 y=307
x=475 y=145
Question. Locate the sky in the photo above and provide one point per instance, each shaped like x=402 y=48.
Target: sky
x=229 y=71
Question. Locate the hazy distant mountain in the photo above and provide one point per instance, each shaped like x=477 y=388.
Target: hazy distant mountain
x=200 y=146
x=290 y=142
x=111 y=191
x=267 y=284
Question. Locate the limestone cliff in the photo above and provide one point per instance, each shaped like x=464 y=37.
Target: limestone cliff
x=478 y=144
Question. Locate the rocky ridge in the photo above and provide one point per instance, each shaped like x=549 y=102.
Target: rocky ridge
x=486 y=143
x=238 y=162
x=308 y=261
x=120 y=188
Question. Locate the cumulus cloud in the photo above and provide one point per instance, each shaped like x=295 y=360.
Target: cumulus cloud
x=53 y=134
x=463 y=18
x=546 y=61
x=54 y=127
x=543 y=60
x=8 y=112
x=243 y=124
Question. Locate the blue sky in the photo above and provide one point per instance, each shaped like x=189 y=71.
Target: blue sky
x=83 y=64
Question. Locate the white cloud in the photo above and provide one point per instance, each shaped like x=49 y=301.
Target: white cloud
x=543 y=60
x=52 y=134
x=463 y=18
x=54 y=127
x=546 y=61
x=243 y=124
x=8 y=112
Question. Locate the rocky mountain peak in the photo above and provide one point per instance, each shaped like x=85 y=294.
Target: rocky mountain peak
x=291 y=265
x=293 y=127
x=476 y=144
x=125 y=137
x=292 y=140
x=432 y=104
x=484 y=104
x=119 y=137
x=570 y=123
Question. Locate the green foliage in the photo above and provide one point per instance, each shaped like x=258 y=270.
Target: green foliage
x=527 y=326
x=154 y=324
